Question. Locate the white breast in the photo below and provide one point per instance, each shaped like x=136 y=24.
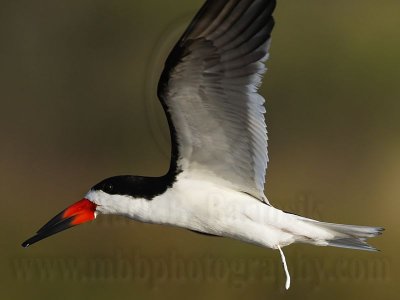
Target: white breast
x=204 y=205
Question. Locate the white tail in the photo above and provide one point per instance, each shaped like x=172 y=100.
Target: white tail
x=346 y=236
x=330 y=234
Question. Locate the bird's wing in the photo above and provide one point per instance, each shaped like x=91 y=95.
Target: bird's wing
x=209 y=91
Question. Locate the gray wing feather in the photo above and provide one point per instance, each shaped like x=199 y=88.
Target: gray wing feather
x=209 y=87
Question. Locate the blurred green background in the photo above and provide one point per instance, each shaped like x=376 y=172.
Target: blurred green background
x=78 y=104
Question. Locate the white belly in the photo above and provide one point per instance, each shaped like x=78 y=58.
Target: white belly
x=212 y=208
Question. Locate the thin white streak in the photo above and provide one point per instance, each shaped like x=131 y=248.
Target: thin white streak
x=287 y=285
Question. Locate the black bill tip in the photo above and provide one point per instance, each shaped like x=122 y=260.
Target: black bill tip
x=27 y=243
x=50 y=230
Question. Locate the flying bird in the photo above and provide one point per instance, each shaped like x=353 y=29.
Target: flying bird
x=215 y=182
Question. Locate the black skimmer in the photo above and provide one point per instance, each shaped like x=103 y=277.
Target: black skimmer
x=215 y=183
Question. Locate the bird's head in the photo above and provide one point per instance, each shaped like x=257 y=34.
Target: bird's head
x=123 y=195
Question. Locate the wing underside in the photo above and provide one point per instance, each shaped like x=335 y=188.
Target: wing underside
x=209 y=91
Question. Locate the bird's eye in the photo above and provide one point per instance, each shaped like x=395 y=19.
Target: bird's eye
x=108 y=187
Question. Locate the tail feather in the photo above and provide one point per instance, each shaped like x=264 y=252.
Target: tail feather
x=352 y=243
x=349 y=236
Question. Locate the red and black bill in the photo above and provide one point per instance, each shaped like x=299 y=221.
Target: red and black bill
x=78 y=213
